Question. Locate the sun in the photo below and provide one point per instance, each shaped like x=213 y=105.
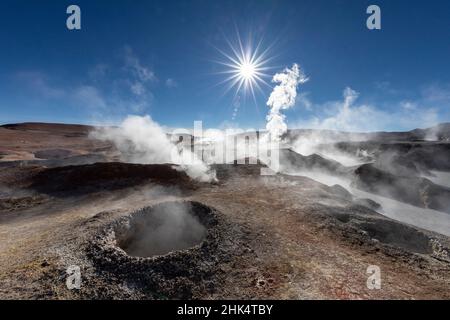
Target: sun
x=247 y=71
x=245 y=67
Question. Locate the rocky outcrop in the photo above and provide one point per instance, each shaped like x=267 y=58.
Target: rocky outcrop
x=417 y=191
x=291 y=161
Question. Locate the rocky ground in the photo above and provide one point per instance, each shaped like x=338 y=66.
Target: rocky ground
x=277 y=237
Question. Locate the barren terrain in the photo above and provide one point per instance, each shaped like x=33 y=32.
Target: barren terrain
x=64 y=198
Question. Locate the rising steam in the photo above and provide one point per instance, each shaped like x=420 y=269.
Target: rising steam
x=142 y=140
x=282 y=98
x=159 y=230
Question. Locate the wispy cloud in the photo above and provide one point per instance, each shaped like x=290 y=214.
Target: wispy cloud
x=304 y=101
x=138 y=89
x=386 y=87
x=98 y=72
x=134 y=65
x=349 y=115
x=38 y=83
x=438 y=94
x=123 y=88
x=90 y=97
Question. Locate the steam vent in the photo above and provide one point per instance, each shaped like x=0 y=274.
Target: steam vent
x=159 y=230
x=164 y=248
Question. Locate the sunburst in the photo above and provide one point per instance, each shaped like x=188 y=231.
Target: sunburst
x=246 y=66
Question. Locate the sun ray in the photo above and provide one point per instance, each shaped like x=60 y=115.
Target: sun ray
x=246 y=66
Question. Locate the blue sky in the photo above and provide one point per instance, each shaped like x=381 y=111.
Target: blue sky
x=159 y=58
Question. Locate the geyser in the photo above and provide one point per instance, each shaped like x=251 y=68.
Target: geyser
x=161 y=229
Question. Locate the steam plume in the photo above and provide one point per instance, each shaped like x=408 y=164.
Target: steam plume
x=142 y=140
x=282 y=98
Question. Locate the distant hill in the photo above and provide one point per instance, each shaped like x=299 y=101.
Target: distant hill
x=57 y=128
x=439 y=132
